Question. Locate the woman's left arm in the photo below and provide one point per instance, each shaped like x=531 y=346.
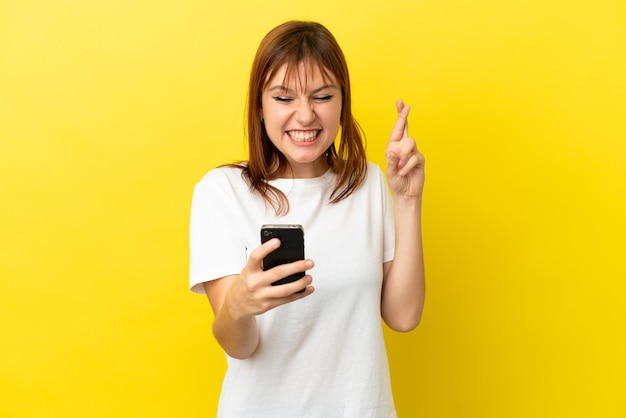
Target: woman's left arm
x=403 y=277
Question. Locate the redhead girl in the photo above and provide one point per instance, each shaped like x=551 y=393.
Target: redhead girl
x=320 y=352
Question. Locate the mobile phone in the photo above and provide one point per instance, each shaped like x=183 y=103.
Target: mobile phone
x=291 y=249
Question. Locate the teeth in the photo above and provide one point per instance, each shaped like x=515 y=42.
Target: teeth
x=303 y=135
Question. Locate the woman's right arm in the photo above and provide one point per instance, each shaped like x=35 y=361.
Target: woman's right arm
x=237 y=299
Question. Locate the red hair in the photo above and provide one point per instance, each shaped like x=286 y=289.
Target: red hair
x=290 y=44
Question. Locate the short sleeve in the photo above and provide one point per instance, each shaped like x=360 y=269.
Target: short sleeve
x=216 y=249
x=389 y=233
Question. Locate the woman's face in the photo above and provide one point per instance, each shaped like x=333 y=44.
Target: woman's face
x=302 y=117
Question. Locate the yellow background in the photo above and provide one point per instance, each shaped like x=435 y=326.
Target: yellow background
x=110 y=112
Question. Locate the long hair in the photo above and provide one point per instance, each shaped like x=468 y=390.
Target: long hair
x=290 y=44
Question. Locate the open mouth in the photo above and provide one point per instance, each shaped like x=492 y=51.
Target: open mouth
x=304 y=136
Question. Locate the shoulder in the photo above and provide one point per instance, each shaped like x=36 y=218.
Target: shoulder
x=374 y=169
x=376 y=181
x=373 y=182
x=224 y=177
x=221 y=187
x=221 y=184
x=223 y=173
x=374 y=173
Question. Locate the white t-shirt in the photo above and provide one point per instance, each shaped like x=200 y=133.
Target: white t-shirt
x=322 y=356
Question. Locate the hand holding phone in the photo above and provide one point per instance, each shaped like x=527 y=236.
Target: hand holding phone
x=291 y=249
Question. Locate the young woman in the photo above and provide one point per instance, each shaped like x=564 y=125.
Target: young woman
x=317 y=353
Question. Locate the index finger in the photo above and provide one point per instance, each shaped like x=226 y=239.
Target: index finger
x=401 y=127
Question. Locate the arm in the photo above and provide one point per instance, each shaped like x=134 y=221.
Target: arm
x=403 y=278
x=239 y=337
x=236 y=300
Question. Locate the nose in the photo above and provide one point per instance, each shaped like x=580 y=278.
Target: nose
x=305 y=113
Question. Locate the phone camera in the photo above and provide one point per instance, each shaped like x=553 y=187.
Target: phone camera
x=266 y=233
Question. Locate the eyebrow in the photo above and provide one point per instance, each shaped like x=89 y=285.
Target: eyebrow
x=290 y=91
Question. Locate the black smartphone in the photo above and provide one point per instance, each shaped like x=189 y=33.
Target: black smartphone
x=291 y=249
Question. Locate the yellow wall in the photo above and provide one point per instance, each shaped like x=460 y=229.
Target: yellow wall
x=110 y=111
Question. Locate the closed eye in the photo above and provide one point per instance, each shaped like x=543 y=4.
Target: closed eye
x=282 y=99
x=323 y=98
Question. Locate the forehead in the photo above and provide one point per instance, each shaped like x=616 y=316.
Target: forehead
x=300 y=76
